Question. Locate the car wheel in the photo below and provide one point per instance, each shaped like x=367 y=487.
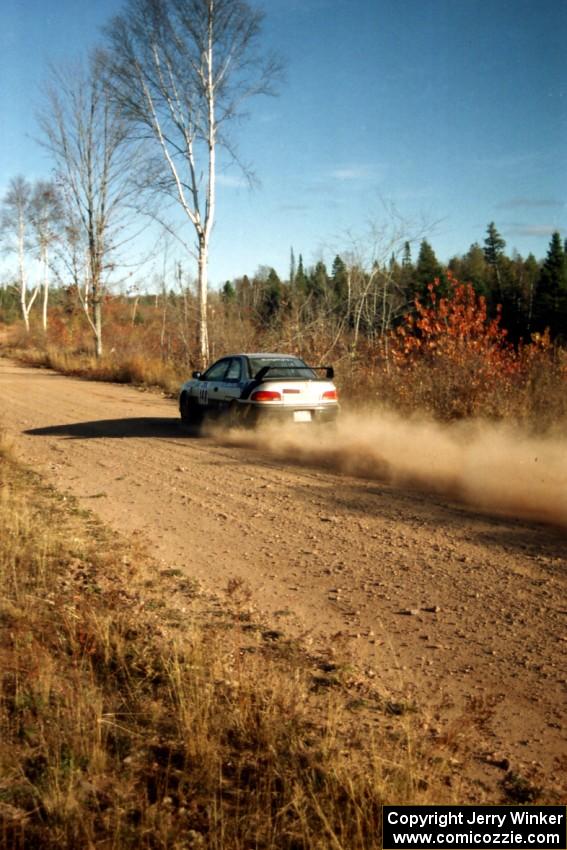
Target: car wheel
x=191 y=415
x=233 y=418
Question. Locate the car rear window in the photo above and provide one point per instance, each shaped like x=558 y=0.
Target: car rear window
x=282 y=367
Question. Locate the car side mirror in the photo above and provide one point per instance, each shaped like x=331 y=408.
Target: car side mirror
x=197 y=375
x=330 y=372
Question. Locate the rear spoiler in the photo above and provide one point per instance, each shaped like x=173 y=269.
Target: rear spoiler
x=329 y=371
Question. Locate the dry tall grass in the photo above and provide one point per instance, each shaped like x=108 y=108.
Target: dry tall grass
x=132 y=369
x=136 y=713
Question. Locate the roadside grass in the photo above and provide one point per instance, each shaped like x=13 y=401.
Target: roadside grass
x=137 y=711
x=121 y=369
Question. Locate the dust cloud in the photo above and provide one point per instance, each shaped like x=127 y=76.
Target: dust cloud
x=493 y=467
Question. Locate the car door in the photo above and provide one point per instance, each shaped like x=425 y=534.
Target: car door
x=231 y=387
x=211 y=383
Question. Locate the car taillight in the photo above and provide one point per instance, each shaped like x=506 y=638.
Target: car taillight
x=330 y=395
x=266 y=395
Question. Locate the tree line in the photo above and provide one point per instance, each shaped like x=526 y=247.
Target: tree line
x=528 y=295
x=351 y=299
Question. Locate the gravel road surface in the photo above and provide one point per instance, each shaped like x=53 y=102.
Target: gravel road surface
x=462 y=610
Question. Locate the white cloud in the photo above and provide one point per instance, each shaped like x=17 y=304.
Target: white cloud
x=353 y=172
x=532 y=229
x=530 y=203
x=233 y=181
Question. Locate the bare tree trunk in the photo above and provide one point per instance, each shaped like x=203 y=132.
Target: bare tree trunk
x=22 y=271
x=211 y=195
x=163 y=318
x=97 y=324
x=203 y=330
x=86 y=294
x=135 y=310
x=45 y=287
x=386 y=307
x=25 y=304
x=361 y=307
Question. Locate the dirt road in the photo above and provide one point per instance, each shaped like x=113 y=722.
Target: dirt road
x=435 y=600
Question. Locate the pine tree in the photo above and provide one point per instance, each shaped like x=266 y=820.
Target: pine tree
x=406 y=277
x=550 y=306
x=271 y=298
x=339 y=284
x=528 y=276
x=318 y=282
x=427 y=269
x=300 y=277
x=292 y=268
x=474 y=269
x=494 y=246
x=228 y=293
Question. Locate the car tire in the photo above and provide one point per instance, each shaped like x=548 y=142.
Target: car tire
x=233 y=418
x=191 y=415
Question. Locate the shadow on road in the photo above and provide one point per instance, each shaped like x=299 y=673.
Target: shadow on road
x=135 y=427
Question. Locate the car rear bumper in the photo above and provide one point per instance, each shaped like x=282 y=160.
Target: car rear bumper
x=256 y=414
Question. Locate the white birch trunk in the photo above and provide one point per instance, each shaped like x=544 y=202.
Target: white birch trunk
x=97 y=310
x=22 y=271
x=211 y=198
x=45 y=286
x=25 y=304
x=202 y=285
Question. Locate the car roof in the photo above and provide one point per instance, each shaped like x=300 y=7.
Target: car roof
x=274 y=355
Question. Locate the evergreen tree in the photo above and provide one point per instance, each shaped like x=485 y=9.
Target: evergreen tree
x=300 y=277
x=426 y=270
x=474 y=269
x=339 y=284
x=228 y=293
x=527 y=275
x=406 y=277
x=550 y=306
x=318 y=282
x=504 y=285
x=271 y=298
x=292 y=268
x=494 y=246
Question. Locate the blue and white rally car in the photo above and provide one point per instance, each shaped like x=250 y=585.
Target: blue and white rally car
x=246 y=389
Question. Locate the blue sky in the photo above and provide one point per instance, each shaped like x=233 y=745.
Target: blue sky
x=451 y=112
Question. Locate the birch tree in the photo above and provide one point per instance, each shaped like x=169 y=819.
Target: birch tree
x=14 y=230
x=46 y=218
x=88 y=140
x=180 y=71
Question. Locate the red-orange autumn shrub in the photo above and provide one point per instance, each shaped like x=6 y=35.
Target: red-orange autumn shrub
x=450 y=358
x=454 y=325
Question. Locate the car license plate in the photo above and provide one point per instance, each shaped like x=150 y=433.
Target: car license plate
x=302 y=416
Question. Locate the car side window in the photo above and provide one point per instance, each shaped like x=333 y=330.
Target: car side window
x=234 y=370
x=217 y=371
